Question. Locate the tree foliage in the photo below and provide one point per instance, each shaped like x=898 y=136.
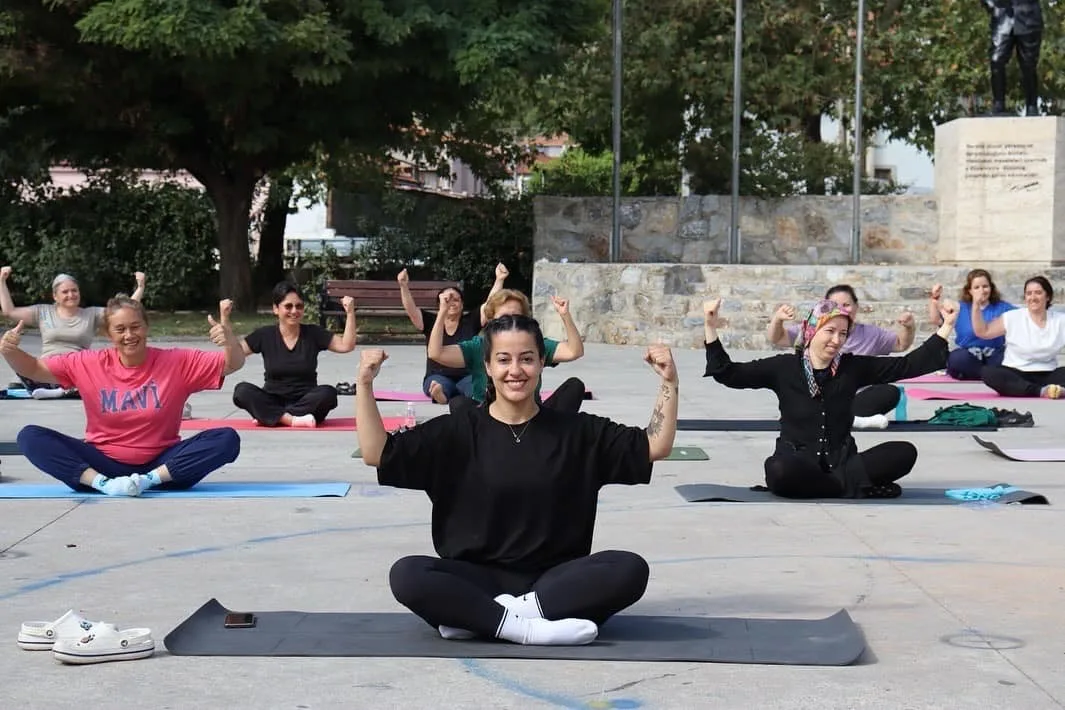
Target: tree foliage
x=233 y=90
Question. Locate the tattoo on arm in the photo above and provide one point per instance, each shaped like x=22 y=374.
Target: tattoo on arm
x=655 y=426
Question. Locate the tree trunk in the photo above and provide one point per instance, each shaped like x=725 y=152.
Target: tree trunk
x=232 y=195
x=271 y=266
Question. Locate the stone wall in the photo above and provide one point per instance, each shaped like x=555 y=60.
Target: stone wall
x=638 y=304
x=898 y=229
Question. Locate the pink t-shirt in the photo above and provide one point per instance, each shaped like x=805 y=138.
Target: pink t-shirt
x=133 y=414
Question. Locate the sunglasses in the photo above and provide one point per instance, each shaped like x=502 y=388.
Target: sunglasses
x=292 y=306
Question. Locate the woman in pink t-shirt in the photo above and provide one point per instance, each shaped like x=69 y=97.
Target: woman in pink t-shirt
x=133 y=396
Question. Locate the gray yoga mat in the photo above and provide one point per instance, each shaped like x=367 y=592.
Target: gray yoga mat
x=1047 y=454
x=715 y=493
x=832 y=641
x=9 y=448
x=774 y=425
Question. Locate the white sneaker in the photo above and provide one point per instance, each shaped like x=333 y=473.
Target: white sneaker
x=40 y=635
x=103 y=643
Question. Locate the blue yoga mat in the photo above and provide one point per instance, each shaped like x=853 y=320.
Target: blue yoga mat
x=204 y=490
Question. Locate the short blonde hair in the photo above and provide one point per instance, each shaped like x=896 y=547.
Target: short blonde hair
x=496 y=300
x=119 y=302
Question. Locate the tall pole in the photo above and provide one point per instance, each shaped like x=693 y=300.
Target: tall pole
x=856 y=227
x=615 y=226
x=737 y=110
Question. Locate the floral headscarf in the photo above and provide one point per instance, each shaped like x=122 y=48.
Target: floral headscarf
x=820 y=315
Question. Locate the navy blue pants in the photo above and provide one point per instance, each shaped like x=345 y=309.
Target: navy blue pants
x=188 y=461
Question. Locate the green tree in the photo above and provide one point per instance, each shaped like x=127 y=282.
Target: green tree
x=234 y=90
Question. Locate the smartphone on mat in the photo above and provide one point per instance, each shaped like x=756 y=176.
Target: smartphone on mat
x=240 y=620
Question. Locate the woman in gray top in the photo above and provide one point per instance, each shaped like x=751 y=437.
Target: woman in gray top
x=64 y=325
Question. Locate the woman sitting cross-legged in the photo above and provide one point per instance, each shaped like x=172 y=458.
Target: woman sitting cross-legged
x=816 y=456
x=133 y=396
x=1034 y=337
x=65 y=326
x=514 y=487
x=967 y=361
x=292 y=396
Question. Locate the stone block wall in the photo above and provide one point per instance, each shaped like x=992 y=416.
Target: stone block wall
x=900 y=229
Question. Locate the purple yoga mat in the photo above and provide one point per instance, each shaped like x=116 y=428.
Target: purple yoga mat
x=918 y=393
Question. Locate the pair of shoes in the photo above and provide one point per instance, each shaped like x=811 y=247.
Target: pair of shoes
x=345 y=388
x=883 y=490
x=1011 y=417
x=75 y=640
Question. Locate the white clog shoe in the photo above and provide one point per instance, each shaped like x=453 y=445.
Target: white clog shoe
x=105 y=643
x=40 y=635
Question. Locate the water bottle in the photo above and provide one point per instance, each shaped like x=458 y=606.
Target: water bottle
x=900 y=408
x=411 y=418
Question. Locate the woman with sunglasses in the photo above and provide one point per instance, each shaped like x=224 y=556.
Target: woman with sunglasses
x=291 y=395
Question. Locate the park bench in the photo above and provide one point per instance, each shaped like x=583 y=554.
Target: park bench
x=378 y=298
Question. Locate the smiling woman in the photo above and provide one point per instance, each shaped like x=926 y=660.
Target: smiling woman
x=133 y=396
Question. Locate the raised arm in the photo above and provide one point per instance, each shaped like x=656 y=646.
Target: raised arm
x=985 y=330
x=446 y=355
x=662 y=429
x=756 y=374
x=934 y=316
x=776 y=334
x=222 y=336
x=905 y=332
x=501 y=278
x=138 y=291
x=346 y=343
x=21 y=361
x=931 y=356
x=411 y=308
x=369 y=427
x=573 y=348
x=27 y=314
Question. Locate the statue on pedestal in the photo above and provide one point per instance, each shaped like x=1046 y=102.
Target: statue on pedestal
x=1015 y=24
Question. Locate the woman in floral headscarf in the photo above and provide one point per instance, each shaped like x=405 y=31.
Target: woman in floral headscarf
x=816 y=456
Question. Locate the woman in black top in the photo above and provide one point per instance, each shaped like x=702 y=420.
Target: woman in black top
x=816 y=456
x=292 y=396
x=514 y=487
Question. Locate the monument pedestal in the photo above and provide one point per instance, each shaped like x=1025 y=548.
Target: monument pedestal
x=1000 y=188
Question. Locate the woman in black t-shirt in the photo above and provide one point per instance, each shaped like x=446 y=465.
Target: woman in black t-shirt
x=514 y=488
x=292 y=396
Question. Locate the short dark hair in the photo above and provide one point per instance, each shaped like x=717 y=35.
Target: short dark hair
x=283 y=289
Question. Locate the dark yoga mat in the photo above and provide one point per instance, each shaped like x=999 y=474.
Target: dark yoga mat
x=774 y=425
x=832 y=641
x=1047 y=454
x=9 y=448
x=714 y=493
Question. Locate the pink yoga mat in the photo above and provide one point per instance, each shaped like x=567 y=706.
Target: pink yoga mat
x=934 y=379
x=917 y=393
x=338 y=424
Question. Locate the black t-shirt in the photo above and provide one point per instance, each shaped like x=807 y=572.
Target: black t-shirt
x=290 y=373
x=469 y=326
x=527 y=506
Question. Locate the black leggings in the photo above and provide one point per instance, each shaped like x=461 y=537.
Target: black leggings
x=1017 y=383
x=794 y=476
x=876 y=399
x=567 y=397
x=267 y=409
x=462 y=594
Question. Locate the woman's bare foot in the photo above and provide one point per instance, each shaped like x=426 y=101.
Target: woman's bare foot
x=436 y=392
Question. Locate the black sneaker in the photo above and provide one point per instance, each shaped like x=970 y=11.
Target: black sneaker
x=883 y=490
x=1013 y=418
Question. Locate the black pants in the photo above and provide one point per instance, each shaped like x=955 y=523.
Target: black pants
x=1016 y=383
x=1001 y=51
x=267 y=409
x=795 y=476
x=876 y=399
x=462 y=594
x=567 y=397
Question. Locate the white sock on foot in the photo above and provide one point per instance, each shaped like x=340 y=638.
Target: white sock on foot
x=541 y=632
x=452 y=634
x=527 y=605
x=306 y=421
x=48 y=393
x=877 y=421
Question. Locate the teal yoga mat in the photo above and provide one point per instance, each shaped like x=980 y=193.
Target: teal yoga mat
x=9 y=448
x=204 y=490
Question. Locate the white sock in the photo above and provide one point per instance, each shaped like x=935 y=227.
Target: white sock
x=527 y=605
x=541 y=632
x=48 y=393
x=877 y=421
x=452 y=634
x=306 y=421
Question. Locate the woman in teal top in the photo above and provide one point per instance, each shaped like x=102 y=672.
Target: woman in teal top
x=972 y=353
x=470 y=354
